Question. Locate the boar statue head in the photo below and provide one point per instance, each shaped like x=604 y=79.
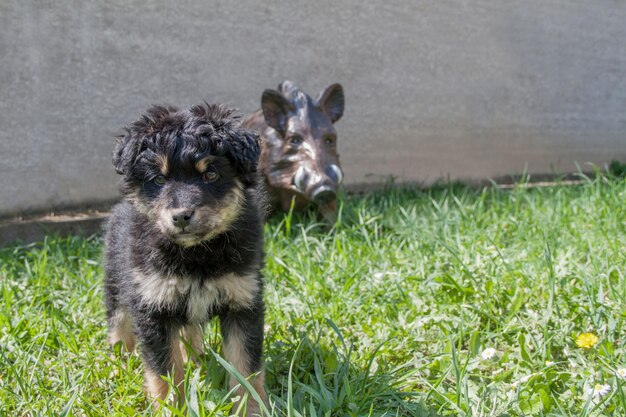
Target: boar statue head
x=299 y=156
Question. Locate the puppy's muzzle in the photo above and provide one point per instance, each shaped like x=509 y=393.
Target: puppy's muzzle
x=181 y=218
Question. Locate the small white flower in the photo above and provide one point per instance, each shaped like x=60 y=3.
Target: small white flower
x=379 y=275
x=511 y=394
x=549 y=363
x=522 y=380
x=598 y=390
x=525 y=378
x=621 y=373
x=488 y=353
x=210 y=405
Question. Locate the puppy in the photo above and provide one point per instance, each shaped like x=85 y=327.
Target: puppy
x=186 y=243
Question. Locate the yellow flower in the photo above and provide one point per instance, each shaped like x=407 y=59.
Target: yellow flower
x=586 y=340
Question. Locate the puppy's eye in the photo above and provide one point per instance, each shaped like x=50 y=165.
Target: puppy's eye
x=210 y=176
x=295 y=140
x=329 y=140
x=160 y=180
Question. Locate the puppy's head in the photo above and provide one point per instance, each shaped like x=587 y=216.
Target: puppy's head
x=187 y=170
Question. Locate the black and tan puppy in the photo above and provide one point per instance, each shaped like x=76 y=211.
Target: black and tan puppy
x=186 y=244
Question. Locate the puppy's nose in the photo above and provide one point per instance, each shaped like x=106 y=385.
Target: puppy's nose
x=182 y=218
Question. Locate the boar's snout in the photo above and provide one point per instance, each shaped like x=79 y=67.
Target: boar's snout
x=319 y=187
x=323 y=195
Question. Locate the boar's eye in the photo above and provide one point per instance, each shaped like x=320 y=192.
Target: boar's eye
x=295 y=140
x=160 y=180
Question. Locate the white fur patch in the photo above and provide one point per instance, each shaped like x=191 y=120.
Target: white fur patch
x=239 y=290
x=202 y=299
x=160 y=291
x=235 y=290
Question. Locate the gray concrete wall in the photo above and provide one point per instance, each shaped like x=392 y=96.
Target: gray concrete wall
x=465 y=89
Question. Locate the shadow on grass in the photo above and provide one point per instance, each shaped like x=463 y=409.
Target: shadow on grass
x=318 y=377
x=310 y=376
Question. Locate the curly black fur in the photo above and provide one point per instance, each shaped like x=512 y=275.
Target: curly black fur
x=163 y=273
x=209 y=128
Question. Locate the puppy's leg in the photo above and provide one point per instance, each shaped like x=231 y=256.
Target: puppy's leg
x=192 y=336
x=160 y=349
x=242 y=331
x=121 y=329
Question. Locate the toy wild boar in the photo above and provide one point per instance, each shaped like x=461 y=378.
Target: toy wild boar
x=299 y=146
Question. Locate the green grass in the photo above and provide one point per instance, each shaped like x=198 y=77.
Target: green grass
x=388 y=314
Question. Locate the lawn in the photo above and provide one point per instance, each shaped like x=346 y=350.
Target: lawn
x=452 y=301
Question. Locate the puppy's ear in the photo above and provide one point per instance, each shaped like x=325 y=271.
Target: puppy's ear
x=275 y=110
x=331 y=101
x=124 y=154
x=132 y=142
x=243 y=152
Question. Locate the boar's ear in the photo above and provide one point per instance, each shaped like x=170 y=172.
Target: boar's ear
x=275 y=109
x=330 y=101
